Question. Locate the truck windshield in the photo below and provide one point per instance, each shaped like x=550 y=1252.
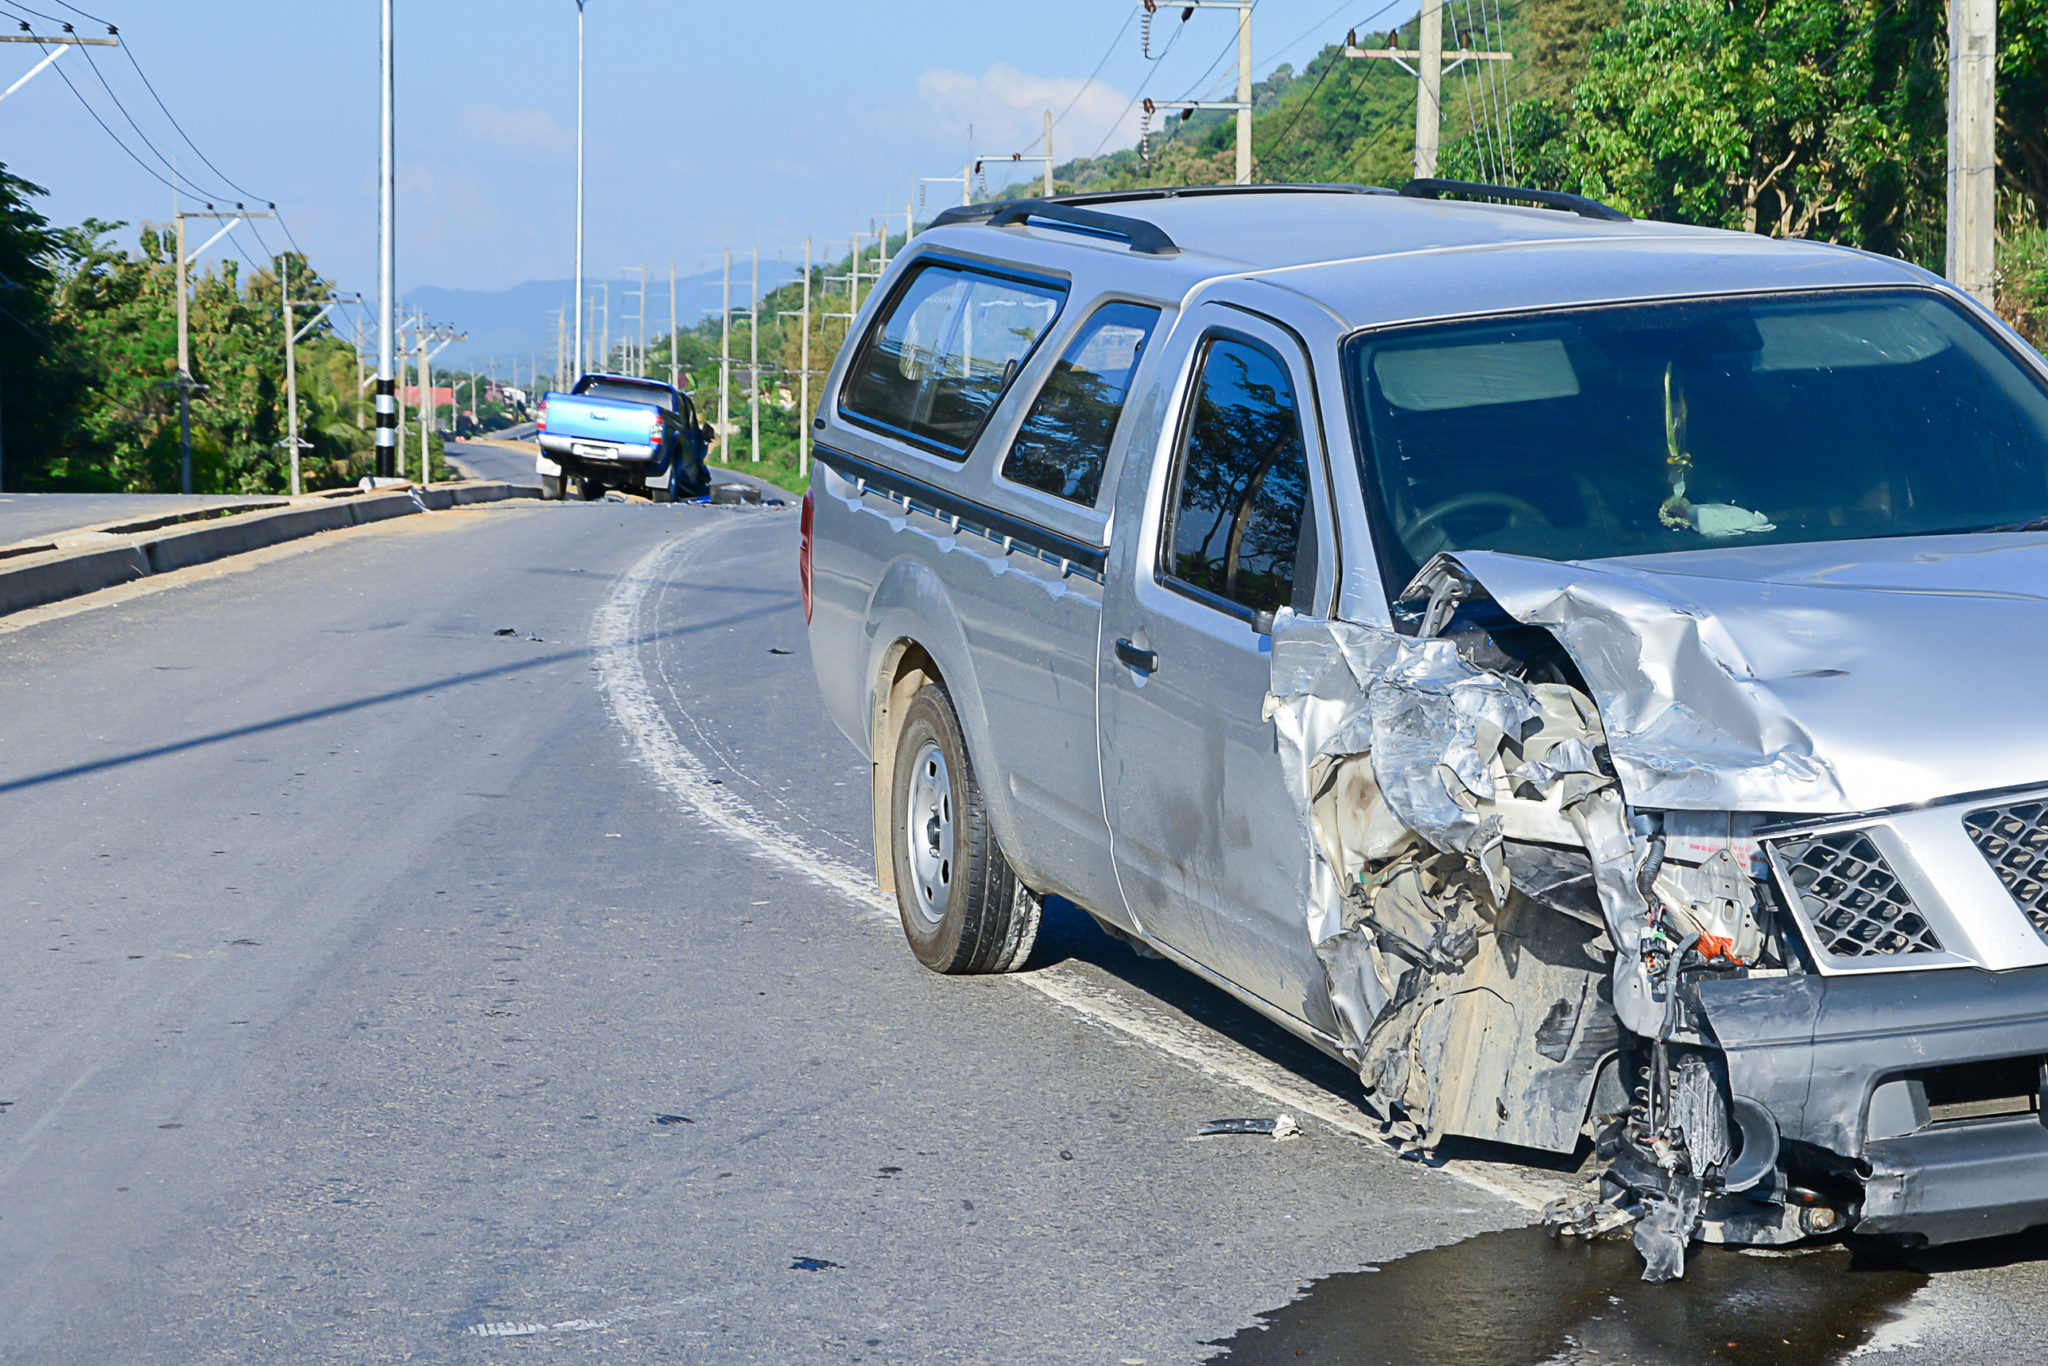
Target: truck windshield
x=654 y=395
x=1648 y=428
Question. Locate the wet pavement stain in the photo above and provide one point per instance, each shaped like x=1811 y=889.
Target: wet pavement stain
x=1519 y=1297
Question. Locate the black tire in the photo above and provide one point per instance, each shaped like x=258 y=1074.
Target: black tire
x=963 y=909
x=674 y=492
x=551 y=487
x=589 y=490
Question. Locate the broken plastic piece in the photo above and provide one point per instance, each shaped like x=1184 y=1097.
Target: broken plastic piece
x=1279 y=1126
x=1717 y=946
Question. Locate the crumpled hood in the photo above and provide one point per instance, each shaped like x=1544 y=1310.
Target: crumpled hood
x=1844 y=676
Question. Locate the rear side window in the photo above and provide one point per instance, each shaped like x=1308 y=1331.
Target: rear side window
x=939 y=359
x=1064 y=442
x=650 y=394
x=1240 y=483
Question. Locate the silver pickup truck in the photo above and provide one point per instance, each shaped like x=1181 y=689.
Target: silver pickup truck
x=1574 y=670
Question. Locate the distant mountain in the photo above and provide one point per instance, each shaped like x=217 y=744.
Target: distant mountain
x=519 y=324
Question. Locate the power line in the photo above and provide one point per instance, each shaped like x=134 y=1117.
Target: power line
x=128 y=49
x=1133 y=104
x=147 y=168
x=1288 y=131
x=1106 y=54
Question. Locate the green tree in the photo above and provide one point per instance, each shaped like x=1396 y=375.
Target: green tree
x=41 y=387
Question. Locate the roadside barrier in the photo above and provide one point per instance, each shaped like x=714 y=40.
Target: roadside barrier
x=49 y=569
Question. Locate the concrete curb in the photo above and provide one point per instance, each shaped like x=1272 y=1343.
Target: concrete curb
x=74 y=563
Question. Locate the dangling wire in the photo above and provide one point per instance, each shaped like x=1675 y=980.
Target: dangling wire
x=1479 y=145
x=1508 y=119
x=1492 y=143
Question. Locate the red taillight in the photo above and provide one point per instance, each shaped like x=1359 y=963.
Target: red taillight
x=803 y=558
x=541 y=422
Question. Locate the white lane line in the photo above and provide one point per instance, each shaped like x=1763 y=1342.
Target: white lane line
x=708 y=745
x=616 y=635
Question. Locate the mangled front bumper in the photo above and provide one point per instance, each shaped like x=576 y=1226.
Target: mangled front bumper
x=1920 y=1079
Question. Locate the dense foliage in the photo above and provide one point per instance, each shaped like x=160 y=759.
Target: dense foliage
x=89 y=345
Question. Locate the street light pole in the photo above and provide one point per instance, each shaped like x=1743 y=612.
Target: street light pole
x=387 y=396
x=579 y=182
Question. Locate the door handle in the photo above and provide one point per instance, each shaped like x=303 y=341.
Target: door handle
x=1144 y=661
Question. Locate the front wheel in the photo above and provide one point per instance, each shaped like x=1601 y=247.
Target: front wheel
x=963 y=909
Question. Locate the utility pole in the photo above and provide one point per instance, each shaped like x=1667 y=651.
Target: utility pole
x=964 y=180
x=604 y=326
x=754 y=361
x=803 y=407
x=725 y=362
x=355 y=337
x=1244 y=96
x=1429 y=73
x=184 y=351
x=58 y=45
x=579 y=181
x=1242 y=105
x=398 y=408
x=426 y=408
x=291 y=371
x=1972 y=146
x=387 y=335
x=184 y=380
x=1048 y=154
x=675 y=371
x=640 y=364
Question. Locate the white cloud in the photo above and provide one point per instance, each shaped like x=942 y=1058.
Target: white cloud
x=1006 y=107
x=521 y=132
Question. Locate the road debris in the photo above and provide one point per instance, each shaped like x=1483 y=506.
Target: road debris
x=673 y=1119
x=726 y=495
x=506 y=631
x=813 y=1264
x=1278 y=1126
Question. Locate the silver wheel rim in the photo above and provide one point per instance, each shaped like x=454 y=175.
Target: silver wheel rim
x=928 y=827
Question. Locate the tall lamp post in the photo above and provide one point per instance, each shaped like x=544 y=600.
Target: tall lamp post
x=388 y=358
x=579 y=183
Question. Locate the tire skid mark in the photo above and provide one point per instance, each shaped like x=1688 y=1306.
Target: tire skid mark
x=685 y=559
x=616 y=635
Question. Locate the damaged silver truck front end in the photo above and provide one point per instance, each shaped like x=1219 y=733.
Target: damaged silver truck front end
x=1586 y=862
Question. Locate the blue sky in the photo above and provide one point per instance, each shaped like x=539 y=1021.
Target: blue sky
x=708 y=125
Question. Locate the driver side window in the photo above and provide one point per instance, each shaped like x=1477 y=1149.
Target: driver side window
x=1238 y=532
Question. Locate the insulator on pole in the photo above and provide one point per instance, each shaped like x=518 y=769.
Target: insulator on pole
x=1144 y=32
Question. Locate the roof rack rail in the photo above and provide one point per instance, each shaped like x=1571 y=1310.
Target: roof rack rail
x=1550 y=199
x=1210 y=191
x=1144 y=238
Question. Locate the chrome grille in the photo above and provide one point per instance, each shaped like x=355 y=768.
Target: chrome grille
x=2014 y=841
x=1850 y=898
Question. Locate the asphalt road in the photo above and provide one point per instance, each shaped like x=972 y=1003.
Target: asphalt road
x=386 y=987
x=496 y=460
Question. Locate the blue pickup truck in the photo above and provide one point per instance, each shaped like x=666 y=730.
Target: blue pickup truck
x=622 y=432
